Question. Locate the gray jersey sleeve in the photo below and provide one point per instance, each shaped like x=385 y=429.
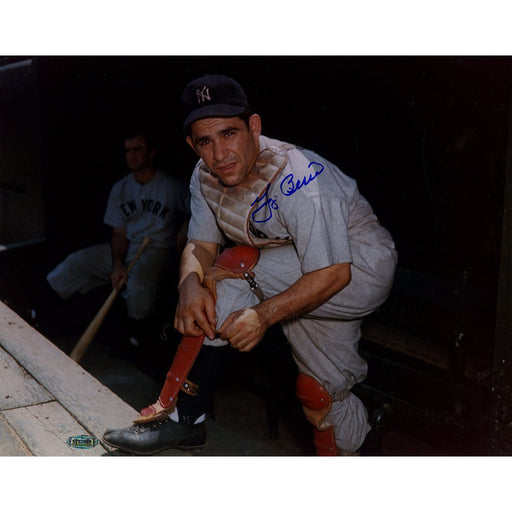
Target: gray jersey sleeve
x=203 y=225
x=113 y=216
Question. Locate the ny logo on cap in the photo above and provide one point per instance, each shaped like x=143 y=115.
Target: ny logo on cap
x=203 y=95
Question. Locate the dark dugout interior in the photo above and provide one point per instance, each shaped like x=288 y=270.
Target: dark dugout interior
x=425 y=137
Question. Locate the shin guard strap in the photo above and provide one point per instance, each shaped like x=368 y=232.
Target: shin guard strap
x=190 y=388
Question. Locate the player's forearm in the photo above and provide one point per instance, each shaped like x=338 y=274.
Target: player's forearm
x=197 y=257
x=308 y=293
x=119 y=246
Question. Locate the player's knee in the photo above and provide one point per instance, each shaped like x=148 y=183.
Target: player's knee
x=140 y=302
x=311 y=393
x=315 y=399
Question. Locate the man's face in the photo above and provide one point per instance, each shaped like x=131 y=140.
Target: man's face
x=227 y=146
x=137 y=155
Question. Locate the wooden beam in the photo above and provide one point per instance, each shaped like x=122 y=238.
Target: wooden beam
x=88 y=401
x=10 y=442
x=45 y=429
x=17 y=387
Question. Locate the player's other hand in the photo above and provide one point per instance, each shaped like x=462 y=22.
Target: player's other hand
x=243 y=329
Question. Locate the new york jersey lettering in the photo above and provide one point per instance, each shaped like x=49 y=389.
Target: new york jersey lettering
x=146 y=205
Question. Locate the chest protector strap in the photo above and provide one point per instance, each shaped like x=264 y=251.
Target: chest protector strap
x=233 y=206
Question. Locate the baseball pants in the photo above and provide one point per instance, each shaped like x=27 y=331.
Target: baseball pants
x=89 y=268
x=324 y=343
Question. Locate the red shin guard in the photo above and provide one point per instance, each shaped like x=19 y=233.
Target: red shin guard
x=186 y=354
x=324 y=441
x=233 y=263
x=316 y=403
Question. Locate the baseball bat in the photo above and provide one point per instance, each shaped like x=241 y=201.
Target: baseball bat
x=89 y=333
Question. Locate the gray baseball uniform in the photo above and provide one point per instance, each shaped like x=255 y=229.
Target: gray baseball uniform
x=319 y=211
x=155 y=209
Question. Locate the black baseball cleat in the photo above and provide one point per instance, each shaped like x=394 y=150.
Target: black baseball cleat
x=154 y=437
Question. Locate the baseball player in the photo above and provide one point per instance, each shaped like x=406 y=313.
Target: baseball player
x=324 y=263
x=146 y=202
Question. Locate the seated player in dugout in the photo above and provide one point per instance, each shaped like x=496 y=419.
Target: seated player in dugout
x=147 y=202
x=309 y=254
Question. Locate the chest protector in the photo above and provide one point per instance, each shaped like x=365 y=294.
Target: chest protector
x=233 y=206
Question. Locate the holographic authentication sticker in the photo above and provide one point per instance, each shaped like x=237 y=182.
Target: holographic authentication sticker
x=83 y=441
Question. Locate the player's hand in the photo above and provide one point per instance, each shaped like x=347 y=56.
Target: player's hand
x=118 y=277
x=243 y=329
x=195 y=313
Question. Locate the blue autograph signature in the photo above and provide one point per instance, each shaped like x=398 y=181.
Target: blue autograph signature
x=288 y=187
x=268 y=201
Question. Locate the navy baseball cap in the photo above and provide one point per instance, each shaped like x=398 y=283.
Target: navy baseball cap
x=212 y=96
